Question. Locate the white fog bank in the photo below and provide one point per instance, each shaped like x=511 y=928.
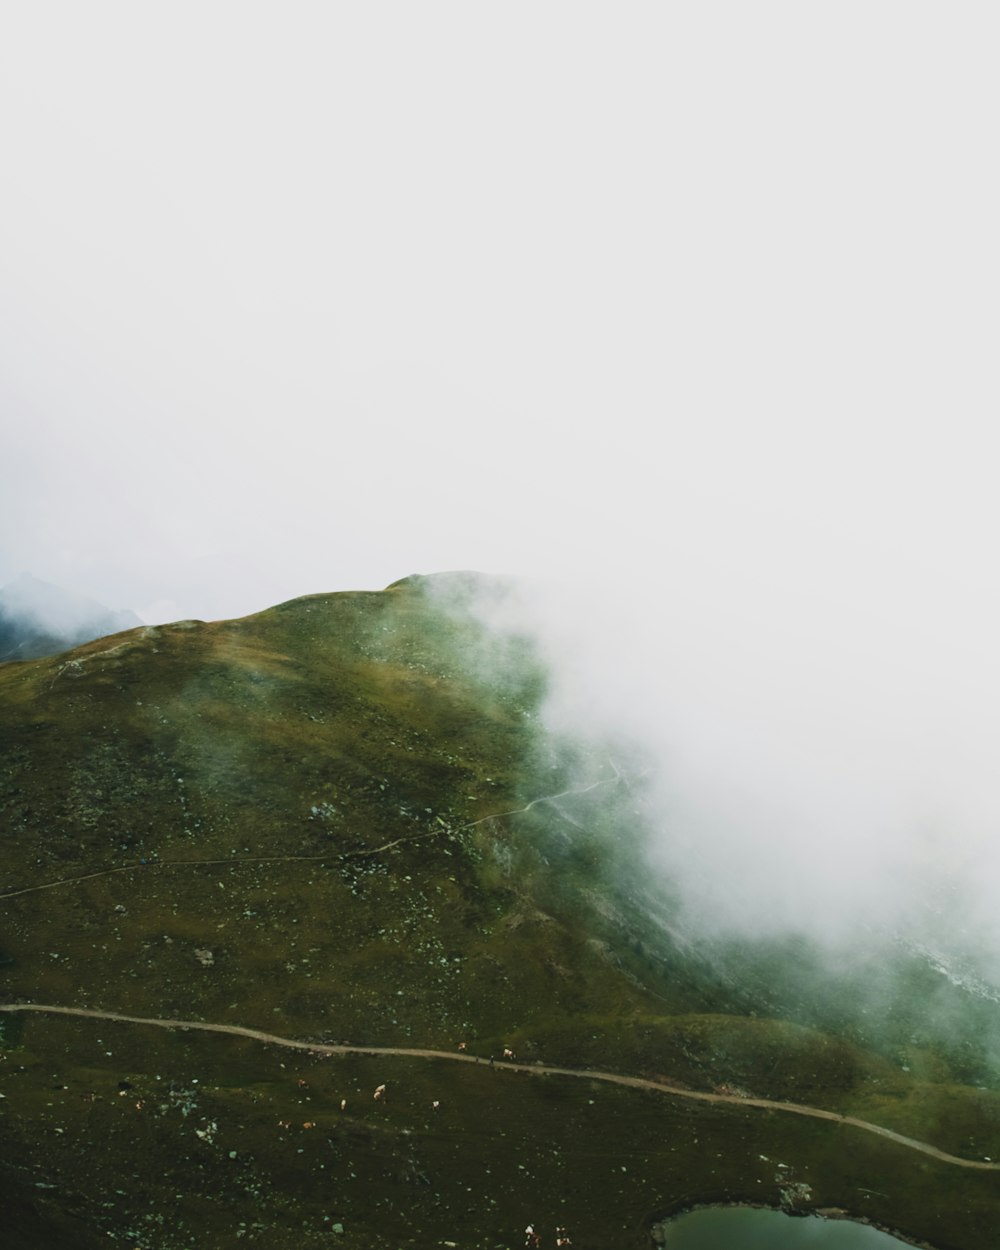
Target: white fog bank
x=821 y=747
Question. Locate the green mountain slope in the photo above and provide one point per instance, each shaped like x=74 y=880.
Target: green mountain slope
x=341 y=821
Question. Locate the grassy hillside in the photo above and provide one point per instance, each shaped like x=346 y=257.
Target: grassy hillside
x=336 y=821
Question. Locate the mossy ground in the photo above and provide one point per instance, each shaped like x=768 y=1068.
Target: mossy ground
x=328 y=728
x=502 y=1149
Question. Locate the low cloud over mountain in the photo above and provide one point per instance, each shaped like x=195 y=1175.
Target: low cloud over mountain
x=37 y=618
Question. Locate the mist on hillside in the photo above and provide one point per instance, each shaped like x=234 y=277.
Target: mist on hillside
x=808 y=756
x=37 y=618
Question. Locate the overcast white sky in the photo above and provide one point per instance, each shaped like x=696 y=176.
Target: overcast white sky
x=301 y=297
x=696 y=298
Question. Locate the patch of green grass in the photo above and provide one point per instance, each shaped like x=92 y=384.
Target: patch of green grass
x=501 y=1149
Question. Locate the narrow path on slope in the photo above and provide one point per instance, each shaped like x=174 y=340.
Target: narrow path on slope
x=536 y=1069
x=291 y=859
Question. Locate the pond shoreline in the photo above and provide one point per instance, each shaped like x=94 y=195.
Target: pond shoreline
x=834 y=1214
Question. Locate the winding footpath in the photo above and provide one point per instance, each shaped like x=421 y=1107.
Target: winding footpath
x=535 y=1069
x=532 y=1069
x=299 y=859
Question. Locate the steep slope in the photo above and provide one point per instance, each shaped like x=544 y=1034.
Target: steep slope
x=340 y=821
x=285 y=750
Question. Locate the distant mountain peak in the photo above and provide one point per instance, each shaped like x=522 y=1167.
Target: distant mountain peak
x=38 y=618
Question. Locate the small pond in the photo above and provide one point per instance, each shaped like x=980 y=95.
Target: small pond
x=748 y=1228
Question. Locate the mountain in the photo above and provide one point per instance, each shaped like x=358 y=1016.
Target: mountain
x=39 y=619
x=342 y=823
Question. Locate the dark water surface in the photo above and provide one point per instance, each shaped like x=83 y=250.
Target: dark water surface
x=746 y=1228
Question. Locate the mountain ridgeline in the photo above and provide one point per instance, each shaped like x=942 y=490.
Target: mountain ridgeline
x=342 y=821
